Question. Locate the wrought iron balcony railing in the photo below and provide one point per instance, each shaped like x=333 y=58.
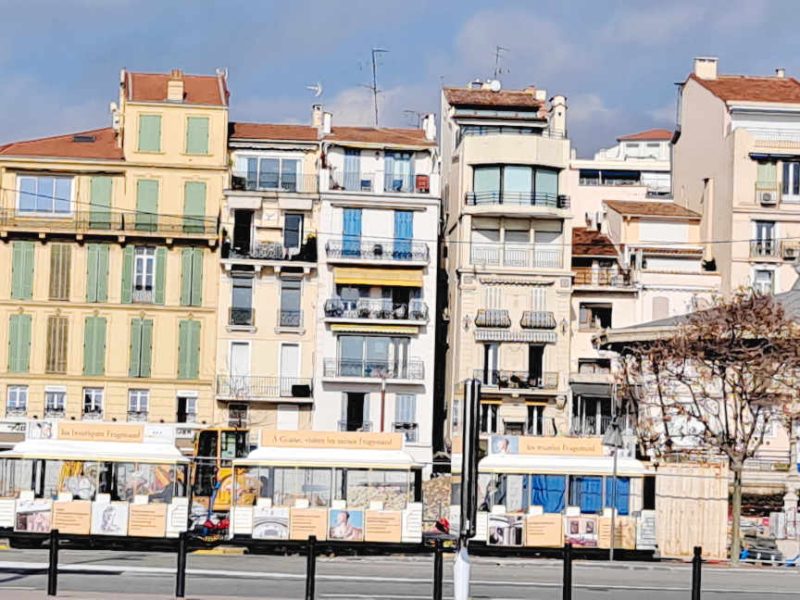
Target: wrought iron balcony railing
x=307 y=252
x=355 y=426
x=492 y=317
x=538 y=319
x=137 y=415
x=376 y=308
x=243 y=317
x=601 y=277
x=390 y=183
x=392 y=250
x=543 y=199
x=522 y=380
x=290 y=319
x=254 y=387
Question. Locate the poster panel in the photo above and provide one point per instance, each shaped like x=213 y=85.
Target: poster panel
x=73 y=517
x=383 y=526
x=270 y=523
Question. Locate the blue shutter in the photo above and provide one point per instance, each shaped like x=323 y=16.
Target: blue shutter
x=623 y=494
x=549 y=491
x=590 y=490
x=352 y=232
x=403 y=232
x=352 y=170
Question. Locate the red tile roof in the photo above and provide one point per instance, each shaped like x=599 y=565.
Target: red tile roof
x=381 y=135
x=269 y=131
x=590 y=242
x=651 y=135
x=651 y=209
x=488 y=98
x=97 y=143
x=197 y=89
x=729 y=88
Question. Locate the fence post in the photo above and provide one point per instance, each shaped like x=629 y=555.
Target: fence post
x=697 y=567
x=566 y=586
x=438 y=578
x=311 y=566
x=52 y=567
x=180 y=580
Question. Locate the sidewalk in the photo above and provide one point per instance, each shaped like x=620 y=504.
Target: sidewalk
x=27 y=594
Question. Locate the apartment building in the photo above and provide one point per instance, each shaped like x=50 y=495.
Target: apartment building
x=375 y=326
x=507 y=227
x=108 y=249
x=736 y=161
x=267 y=318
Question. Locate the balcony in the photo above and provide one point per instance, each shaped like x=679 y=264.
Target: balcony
x=355 y=426
x=390 y=251
x=601 y=277
x=241 y=317
x=142 y=296
x=496 y=197
x=376 y=309
x=111 y=223
x=516 y=380
x=274 y=182
x=290 y=319
x=590 y=425
x=16 y=411
x=274 y=251
x=54 y=413
x=255 y=388
x=137 y=416
x=95 y=414
x=409 y=430
x=541 y=256
x=767 y=248
x=492 y=317
x=412 y=370
x=379 y=182
x=538 y=319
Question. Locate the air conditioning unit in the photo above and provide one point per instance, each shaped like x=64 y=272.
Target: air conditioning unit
x=767 y=198
x=791 y=252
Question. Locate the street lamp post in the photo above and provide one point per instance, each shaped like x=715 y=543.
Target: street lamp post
x=613 y=439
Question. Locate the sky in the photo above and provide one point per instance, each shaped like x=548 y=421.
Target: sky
x=615 y=61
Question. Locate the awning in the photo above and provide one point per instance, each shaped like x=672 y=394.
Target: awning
x=347 y=328
x=328 y=457
x=591 y=389
x=396 y=277
x=561 y=465
x=526 y=336
x=96 y=451
x=771 y=156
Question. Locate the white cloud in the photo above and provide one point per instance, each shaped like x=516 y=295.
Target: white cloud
x=654 y=25
x=664 y=114
x=355 y=105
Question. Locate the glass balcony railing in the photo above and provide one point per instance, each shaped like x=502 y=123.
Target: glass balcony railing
x=540 y=256
x=376 y=308
x=274 y=182
x=413 y=369
x=542 y=199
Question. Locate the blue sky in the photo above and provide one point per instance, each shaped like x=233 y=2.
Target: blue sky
x=615 y=61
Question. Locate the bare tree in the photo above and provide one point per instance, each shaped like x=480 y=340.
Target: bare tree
x=713 y=383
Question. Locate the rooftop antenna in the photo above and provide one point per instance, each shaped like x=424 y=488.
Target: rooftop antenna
x=498 y=55
x=316 y=88
x=415 y=116
x=374 y=87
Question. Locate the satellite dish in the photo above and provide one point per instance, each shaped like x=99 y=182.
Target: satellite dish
x=495 y=85
x=316 y=88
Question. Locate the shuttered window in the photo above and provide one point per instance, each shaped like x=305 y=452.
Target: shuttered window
x=97 y=273
x=22 y=270
x=192 y=277
x=149 y=133
x=197 y=135
x=146 y=205
x=100 y=203
x=141 y=347
x=139 y=276
x=60 y=270
x=94 y=346
x=19 y=343
x=194 y=207
x=57 y=334
x=189 y=350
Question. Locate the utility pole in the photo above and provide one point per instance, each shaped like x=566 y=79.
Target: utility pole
x=498 y=54
x=374 y=87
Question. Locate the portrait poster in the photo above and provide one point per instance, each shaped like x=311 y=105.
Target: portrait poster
x=505 y=529
x=109 y=518
x=346 y=525
x=270 y=523
x=33 y=515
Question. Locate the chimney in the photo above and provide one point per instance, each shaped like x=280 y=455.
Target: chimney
x=327 y=119
x=780 y=73
x=540 y=95
x=175 y=86
x=429 y=126
x=316 y=115
x=705 y=67
x=558 y=114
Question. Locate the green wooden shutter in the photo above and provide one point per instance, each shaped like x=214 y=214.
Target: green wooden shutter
x=767 y=173
x=22 y=270
x=146 y=205
x=19 y=343
x=127 y=274
x=197 y=135
x=60 y=271
x=149 y=133
x=102 y=272
x=100 y=203
x=194 y=207
x=92 y=252
x=161 y=274
x=189 y=350
x=147 y=348
x=94 y=346
x=197 y=277
x=192 y=276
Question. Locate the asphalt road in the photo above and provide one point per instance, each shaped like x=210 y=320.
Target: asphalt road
x=132 y=574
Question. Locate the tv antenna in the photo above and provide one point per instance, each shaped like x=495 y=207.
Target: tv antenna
x=374 y=87
x=415 y=116
x=316 y=88
x=498 y=56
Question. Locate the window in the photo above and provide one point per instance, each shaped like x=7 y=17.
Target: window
x=489 y=418
x=22 y=258
x=405 y=416
x=595 y=316
x=189 y=349
x=187 y=409
x=290 y=313
x=197 y=135
x=94 y=346
x=144 y=270
x=138 y=403
x=590 y=415
x=93 y=402
x=594 y=366
x=534 y=424
x=237 y=415
x=149 y=133
x=56 y=359
x=514 y=184
x=491 y=354
x=192 y=277
x=764 y=243
x=289 y=368
x=764 y=281
x=242 y=300
x=373 y=356
x=45 y=195
x=270 y=173
x=54 y=402
x=292 y=230
x=60 y=269
x=399 y=172
x=19 y=343
x=791 y=181
x=141 y=349
x=17 y=399
x=97 y=273
x=355 y=412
